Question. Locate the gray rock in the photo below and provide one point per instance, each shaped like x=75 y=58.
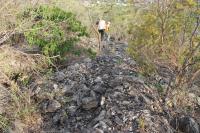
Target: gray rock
x=98 y=131
x=55 y=87
x=185 y=124
x=132 y=93
x=59 y=117
x=144 y=99
x=192 y=95
x=118 y=121
x=89 y=103
x=198 y=101
x=101 y=124
x=165 y=127
x=101 y=116
x=99 y=89
x=120 y=88
x=67 y=90
x=35 y=90
x=93 y=94
x=126 y=85
x=106 y=95
x=72 y=109
x=98 y=80
x=52 y=106
x=59 y=76
x=87 y=60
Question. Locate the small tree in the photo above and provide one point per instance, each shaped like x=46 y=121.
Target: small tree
x=167 y=32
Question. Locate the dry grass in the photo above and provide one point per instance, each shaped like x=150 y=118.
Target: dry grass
x=15 y=61
x=15 y=103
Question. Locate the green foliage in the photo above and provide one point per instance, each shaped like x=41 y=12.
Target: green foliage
x=53 y=30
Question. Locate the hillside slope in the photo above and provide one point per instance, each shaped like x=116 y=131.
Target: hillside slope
x=108 y=94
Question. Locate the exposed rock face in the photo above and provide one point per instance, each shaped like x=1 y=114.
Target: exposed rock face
x=89 y=103
x=51 y=106
x=105 y=95
x=185 y=124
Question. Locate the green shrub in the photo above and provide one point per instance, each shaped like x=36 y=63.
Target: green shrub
x=53 y=30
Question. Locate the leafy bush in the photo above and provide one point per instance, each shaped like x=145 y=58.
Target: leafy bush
x=53 y=30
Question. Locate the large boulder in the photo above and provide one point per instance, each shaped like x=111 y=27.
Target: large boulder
x=185 y=124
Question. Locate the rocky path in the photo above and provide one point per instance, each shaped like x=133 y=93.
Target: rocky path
x=104 y=95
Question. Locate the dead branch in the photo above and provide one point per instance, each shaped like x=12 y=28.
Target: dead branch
x=194 y=76
x=94 y=28
x=194 y=32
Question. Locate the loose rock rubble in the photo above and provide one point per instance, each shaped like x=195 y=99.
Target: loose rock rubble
x=106 y=95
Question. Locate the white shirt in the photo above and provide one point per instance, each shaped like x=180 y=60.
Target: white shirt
x=102 y=25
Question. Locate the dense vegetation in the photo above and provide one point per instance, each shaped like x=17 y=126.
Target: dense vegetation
x=167 y=32
x=159 y=33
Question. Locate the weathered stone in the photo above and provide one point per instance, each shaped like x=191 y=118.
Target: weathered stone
x=132 y=93
x=98 y=80
x=120 y=88
x=99 y=89
x=192 y=96
x=72 y=109
x=98 y=131
x=55 y=86
x=107 y=95
x=59 y=76
x=59 y=117
x=89 y=103
x=185 y=124
x=101 y=124
x=52 y=106
x=101 y=116
x=103 y=99
x=118 y=121
x=45 y=95
x=126 y=85
x=67 y=90
x=198 y=101
x=87 y=60
x=144 y=99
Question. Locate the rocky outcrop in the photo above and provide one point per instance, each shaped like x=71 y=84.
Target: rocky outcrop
x=105 y=94
x=185 y=124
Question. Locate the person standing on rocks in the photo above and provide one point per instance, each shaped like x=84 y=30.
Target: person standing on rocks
x=101 y=25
